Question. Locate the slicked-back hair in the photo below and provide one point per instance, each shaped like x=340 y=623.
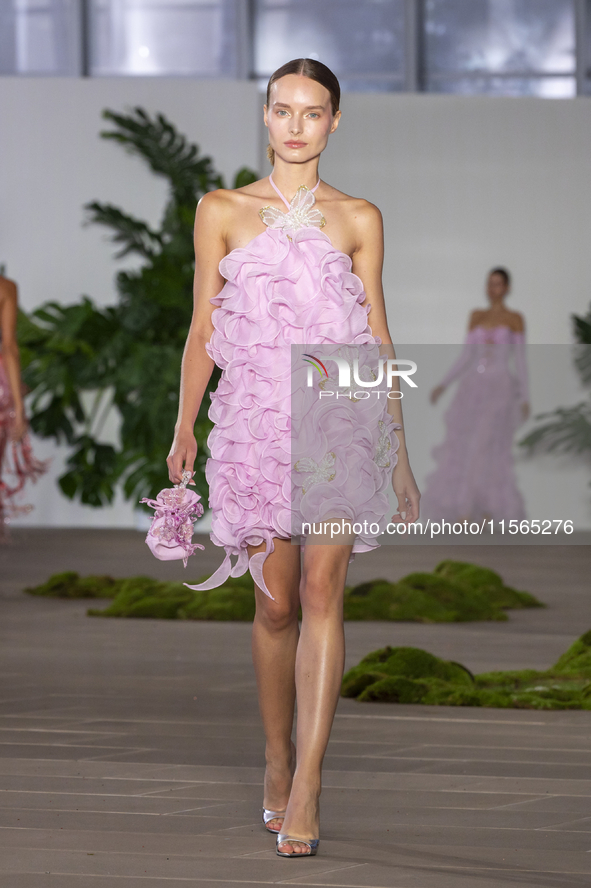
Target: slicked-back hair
x=503 y=273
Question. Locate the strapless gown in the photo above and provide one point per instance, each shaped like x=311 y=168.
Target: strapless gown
x=288 y=286
x=474 y=476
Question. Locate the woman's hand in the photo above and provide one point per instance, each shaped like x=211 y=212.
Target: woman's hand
x=183 y=453
x=407 y=493
x=437 y=393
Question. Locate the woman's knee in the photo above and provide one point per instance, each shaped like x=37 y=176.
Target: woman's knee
x=321 y=594
x=278 y=615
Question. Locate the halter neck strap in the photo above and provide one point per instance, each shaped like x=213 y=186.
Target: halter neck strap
x=286 y=202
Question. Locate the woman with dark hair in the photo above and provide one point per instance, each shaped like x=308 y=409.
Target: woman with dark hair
x=17 y=463
x=474 y=479
x=289 y=260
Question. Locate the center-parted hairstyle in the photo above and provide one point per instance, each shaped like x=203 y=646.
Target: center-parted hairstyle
x=502 y=272
x=315 y=71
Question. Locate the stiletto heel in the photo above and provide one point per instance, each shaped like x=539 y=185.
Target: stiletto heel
x=269 y=815
x=311 y=843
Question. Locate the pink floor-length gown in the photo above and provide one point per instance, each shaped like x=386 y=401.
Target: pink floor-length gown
x=289 y=285
x=474 y=476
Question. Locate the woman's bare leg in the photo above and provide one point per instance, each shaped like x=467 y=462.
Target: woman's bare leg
x=319 y=671
x=274 y=643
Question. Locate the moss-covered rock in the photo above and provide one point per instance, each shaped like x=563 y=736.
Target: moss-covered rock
x=395 y=689
x=70 y=584
x=577 y=660
x=232 y=601
x=145 y=597
x=454 y=592
x=486 y=581
x=411 y=675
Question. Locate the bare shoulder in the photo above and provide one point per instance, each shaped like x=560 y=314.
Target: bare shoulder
x=476 y=317
x=363 y=211
x=225 y=203
x=517 y=322
x=366 y=214
x=214 y=204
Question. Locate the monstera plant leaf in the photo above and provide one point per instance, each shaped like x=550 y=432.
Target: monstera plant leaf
x=568 y=429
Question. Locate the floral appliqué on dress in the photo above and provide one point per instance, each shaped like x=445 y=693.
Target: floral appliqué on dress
x=383 y=447
x=302 y=213
x=318 y=471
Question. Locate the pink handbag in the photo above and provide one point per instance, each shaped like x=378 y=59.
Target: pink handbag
x=171 y=531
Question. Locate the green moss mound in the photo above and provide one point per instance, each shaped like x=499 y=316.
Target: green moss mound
x=487 y=582
x=455 y=591
x=232 y=601
x=145 y=597
x=69 y=584
x=411 y=675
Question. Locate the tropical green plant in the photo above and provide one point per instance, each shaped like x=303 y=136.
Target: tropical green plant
x=568 y=429
x=82 y=361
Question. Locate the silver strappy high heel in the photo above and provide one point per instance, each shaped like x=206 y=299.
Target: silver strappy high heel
x=311 y=843
x=269 y=815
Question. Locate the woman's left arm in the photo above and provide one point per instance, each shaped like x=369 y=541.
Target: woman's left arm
x=10 y=353
x=368 y=260
x=519 y=349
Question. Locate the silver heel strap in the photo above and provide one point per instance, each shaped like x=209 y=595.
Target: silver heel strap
x=269 y=815
x=284 y=837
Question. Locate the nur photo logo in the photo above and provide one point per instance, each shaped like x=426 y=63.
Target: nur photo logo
x=388 y=369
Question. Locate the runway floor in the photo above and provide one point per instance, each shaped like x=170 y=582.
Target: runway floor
x=131 y=751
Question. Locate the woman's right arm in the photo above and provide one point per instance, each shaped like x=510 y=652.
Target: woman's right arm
x=10 y=353
x=197 y=366
x=460 y=365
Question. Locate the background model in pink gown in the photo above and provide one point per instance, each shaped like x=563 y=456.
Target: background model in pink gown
x=475 y=478
x=289 y=285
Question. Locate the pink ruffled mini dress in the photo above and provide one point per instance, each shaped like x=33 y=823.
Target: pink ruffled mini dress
x=288 y=286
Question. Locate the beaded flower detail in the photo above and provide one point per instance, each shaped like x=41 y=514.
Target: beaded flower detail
x=319 y=472
x=383 y=447
x=302 y=213
x=171 y=531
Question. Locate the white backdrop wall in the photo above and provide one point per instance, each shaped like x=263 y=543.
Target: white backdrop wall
x=463 y=183
x=52 y=162
x=466 y=183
